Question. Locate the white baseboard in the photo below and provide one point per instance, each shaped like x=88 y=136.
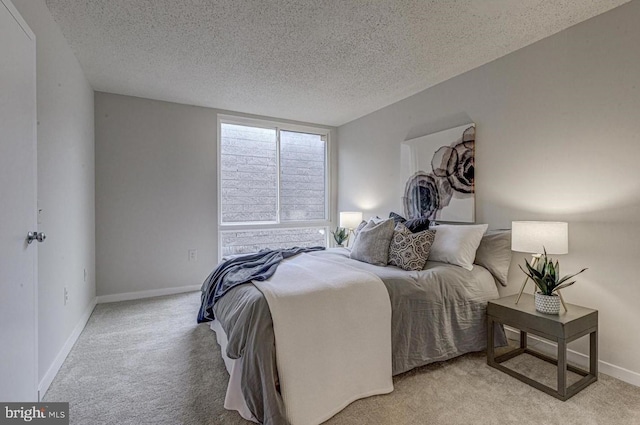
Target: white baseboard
x=127 y=296
x=577 y=358
x=47 y=379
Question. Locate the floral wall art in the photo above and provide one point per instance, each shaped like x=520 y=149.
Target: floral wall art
x=439 y=173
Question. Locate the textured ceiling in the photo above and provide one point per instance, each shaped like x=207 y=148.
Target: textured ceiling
x=325 y=62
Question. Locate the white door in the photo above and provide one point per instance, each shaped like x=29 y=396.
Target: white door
x=18 y=185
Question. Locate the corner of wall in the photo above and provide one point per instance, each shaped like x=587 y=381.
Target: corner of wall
x=66 y=191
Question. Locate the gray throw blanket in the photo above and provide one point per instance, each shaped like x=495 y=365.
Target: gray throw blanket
x=239 y=270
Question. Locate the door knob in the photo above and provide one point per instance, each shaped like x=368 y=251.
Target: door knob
x=36 y=236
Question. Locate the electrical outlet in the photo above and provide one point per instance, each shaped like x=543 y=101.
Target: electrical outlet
x=193 y=255
x=66 y=295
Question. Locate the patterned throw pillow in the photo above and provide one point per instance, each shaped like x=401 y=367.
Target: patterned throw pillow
x=410 y=251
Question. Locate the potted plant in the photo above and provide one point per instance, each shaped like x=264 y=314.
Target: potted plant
x=340 y=235
x=546 y=275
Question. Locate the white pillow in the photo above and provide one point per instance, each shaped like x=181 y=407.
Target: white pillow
x=457 y=244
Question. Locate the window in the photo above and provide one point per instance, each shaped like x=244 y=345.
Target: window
x=273 y=185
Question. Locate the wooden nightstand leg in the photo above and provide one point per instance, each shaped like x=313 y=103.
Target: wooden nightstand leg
x=562 y=367
x=593 y=353
x=491 y=354
x=523 y=339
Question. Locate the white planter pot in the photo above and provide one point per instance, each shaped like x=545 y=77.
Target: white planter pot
x=548 y=304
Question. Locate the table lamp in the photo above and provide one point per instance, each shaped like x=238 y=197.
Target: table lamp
x=350 y=220
x=534 y=237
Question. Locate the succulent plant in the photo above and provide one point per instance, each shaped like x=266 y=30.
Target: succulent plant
x=546 y=275
x=340 y=235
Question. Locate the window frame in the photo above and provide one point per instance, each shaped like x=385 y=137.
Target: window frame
x=277 y=224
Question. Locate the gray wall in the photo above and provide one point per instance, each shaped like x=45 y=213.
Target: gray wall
x=557 y=139
x=156 y=193
x=65 y=185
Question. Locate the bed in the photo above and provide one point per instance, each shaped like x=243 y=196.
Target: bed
x=436 y=314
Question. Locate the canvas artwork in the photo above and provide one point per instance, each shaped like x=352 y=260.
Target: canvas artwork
x=438 y=171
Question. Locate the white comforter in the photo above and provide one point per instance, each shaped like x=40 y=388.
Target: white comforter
x=332 y=326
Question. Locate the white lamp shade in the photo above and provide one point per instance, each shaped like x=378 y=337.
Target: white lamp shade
x=350 y=219
x=536 y=236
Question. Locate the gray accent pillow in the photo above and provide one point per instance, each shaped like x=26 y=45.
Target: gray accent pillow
x=360 y=227
x=494 y=254
x=408 y=250
x=372 y=243
x=414 y=225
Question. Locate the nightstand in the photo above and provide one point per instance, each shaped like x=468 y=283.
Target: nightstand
x=562 y=329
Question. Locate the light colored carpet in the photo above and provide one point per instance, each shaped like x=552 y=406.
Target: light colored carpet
x=148 y=362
